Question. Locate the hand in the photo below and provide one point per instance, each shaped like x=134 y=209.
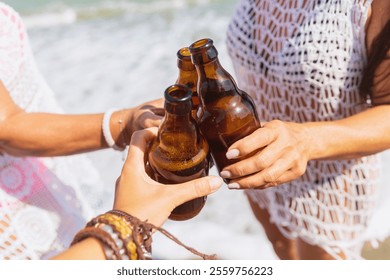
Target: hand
x=146 y=115
x=283 y=153
x=137 y=194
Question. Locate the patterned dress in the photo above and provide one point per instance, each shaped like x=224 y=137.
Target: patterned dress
x=41 y=199
x=302 y=61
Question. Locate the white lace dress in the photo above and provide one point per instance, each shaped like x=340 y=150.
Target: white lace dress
x=302 y=60
x=41 y=205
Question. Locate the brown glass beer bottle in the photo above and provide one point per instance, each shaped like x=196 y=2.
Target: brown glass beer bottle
x=227 y=113
x=188 y=76
x=179 y=153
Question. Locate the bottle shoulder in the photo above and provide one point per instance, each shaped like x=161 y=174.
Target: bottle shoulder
x=230 y=104
x=179 y=156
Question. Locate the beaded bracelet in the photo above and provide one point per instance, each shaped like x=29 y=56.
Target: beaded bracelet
x=142 y=234
x=115 y=233
x=120 y=230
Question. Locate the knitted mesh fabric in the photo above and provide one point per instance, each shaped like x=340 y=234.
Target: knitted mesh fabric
x=301 y=61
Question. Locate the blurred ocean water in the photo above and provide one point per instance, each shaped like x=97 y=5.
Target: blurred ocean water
x=119 y=52
x=102 y=54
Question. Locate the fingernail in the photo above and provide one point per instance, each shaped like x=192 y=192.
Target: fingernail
x=234 y=186
x=225 y=174
x=232 y=153
x=215 y=183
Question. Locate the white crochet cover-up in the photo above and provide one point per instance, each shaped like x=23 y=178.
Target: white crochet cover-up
x=302 y=60
x=41 y=204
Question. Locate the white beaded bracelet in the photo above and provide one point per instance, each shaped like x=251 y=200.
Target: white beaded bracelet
x=107 y=131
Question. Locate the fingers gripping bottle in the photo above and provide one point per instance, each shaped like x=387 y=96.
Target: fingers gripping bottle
x=188 y=76
x=227 y=113
x=179 y=153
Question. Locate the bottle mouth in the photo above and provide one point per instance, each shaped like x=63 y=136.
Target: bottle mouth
x=184 y=59
x=201 y=44
x=203 y=51
x=178 y=99
x=178 y=93
x=184 y=53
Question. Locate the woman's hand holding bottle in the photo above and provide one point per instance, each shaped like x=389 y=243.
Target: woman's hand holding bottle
x=283 y=153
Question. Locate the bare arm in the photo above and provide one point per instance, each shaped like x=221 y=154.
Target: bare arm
x=44 y=134
x=359 y=135
x=286 y=147
x=88 y=249
x=40 y=134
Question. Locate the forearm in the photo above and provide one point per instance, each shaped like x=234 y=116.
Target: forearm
x=88 y=249
x=43 y=134
x=359 y=135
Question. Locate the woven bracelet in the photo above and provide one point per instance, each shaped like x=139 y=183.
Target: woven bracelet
x=120 y=230
x=142 y=232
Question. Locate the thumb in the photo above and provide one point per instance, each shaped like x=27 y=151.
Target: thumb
x=196 y=188
x=138 y=146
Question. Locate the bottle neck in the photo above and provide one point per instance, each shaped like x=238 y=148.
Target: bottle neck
x=209 y=69
x=178 y=134
x=175 y=120
x=188 y=78
x=185 y=65
x=179 y=124
x=213 y=79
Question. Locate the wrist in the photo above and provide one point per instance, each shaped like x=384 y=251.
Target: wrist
x=116 y=128
x=120 y=236
x=317 y=137
x=128 y=120
x=109 y=130
x=120 y=126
